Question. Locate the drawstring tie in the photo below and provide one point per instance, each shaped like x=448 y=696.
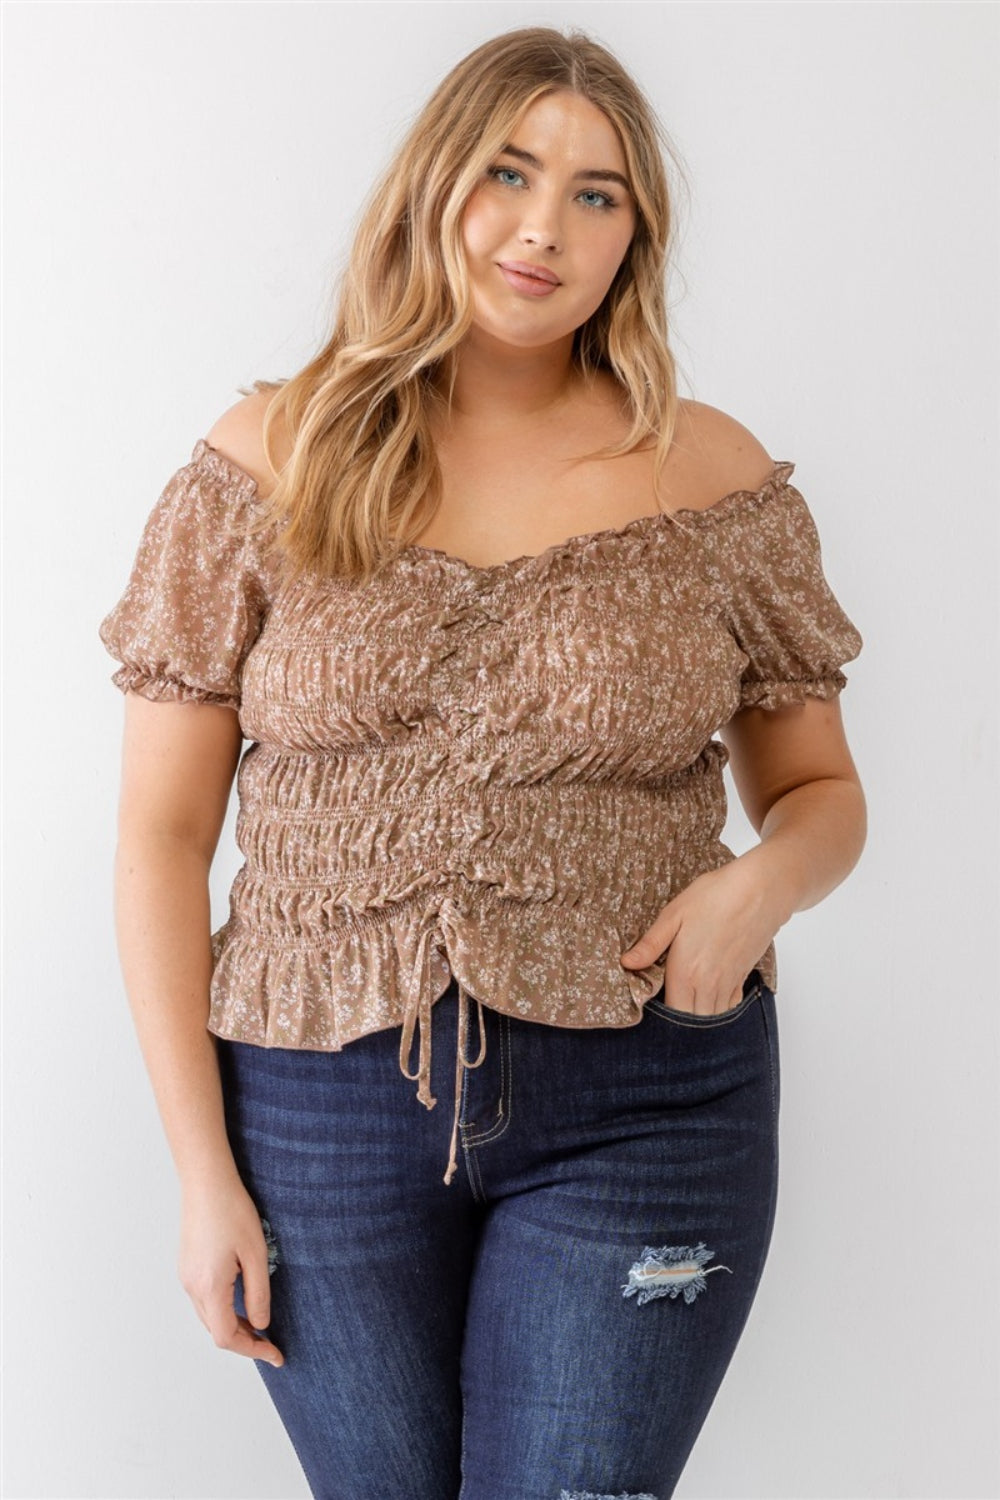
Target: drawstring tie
x=418 y=1008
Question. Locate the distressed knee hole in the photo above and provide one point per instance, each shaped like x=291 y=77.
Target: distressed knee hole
x=593 y=1495
x=273 y=1258
x=670 y=1271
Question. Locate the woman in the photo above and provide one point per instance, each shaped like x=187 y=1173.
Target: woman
x=479 y=588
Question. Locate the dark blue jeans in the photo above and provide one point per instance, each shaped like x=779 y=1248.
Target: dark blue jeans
x=556 y=1322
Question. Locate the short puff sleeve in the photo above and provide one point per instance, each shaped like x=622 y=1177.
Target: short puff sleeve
x=196 y=598
x=782 y=612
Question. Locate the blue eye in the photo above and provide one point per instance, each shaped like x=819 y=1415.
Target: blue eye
x=608 y=202
x=496 y=172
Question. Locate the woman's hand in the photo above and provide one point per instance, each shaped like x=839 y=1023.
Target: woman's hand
x=221 y=1235
x=715 y=929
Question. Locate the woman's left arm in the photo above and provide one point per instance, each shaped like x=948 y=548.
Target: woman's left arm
x=799 y=786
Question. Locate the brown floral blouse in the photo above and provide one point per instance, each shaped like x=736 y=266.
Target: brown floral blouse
x=501 y=773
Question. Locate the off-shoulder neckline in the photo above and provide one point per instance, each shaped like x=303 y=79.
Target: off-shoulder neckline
x=729 y=505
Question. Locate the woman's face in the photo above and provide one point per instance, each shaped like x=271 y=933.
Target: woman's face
x=559 y=198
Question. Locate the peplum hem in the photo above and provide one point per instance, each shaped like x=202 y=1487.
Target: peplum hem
x=285 y=998
x=510 y=956
x=392 y=972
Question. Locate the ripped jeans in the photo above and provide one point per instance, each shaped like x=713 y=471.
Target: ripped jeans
x=556 y=1322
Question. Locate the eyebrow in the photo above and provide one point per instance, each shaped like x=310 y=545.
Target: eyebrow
x=591 y=174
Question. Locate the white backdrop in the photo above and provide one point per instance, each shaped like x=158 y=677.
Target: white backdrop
x=181 y=185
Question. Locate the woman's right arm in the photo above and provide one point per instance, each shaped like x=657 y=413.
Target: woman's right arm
x=178 y=764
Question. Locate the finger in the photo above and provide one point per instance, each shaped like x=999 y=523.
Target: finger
x=234 y=1333
x=722 y=1006
x=257 y=1345
x=676 y=1001
x=256 y=1286
x=641 y=953
x=652 y=945
x=689 y=996
x=678 y=994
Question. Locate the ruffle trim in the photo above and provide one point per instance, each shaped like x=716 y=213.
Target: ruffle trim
x=323 y=997
x=235 y=478
x=788 y=694
x=628 y=542
x=632 y=538
x=168 y=689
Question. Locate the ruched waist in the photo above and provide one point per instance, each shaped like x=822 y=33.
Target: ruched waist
x=364 y=845
x=352 y=915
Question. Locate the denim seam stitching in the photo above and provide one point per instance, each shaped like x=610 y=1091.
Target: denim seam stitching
x=471 y=1165
x=770 y=1062
x=671 y=1014
x=505 y=1079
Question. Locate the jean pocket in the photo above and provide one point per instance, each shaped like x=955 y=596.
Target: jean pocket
x=753 y=988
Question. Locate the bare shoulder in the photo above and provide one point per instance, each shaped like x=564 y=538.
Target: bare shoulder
x=239 y=435
x=720 y=454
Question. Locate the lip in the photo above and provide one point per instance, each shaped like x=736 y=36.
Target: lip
x=526 y=269
x=535 y=280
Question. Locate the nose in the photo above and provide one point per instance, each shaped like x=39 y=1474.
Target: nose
x=542 y=225
x=546 y=238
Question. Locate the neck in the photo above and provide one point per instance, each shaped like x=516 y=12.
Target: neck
x=497 y=386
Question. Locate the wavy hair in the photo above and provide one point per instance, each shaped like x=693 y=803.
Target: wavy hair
x=362 y=480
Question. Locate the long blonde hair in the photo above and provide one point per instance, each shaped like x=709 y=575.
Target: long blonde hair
x=362 y=478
